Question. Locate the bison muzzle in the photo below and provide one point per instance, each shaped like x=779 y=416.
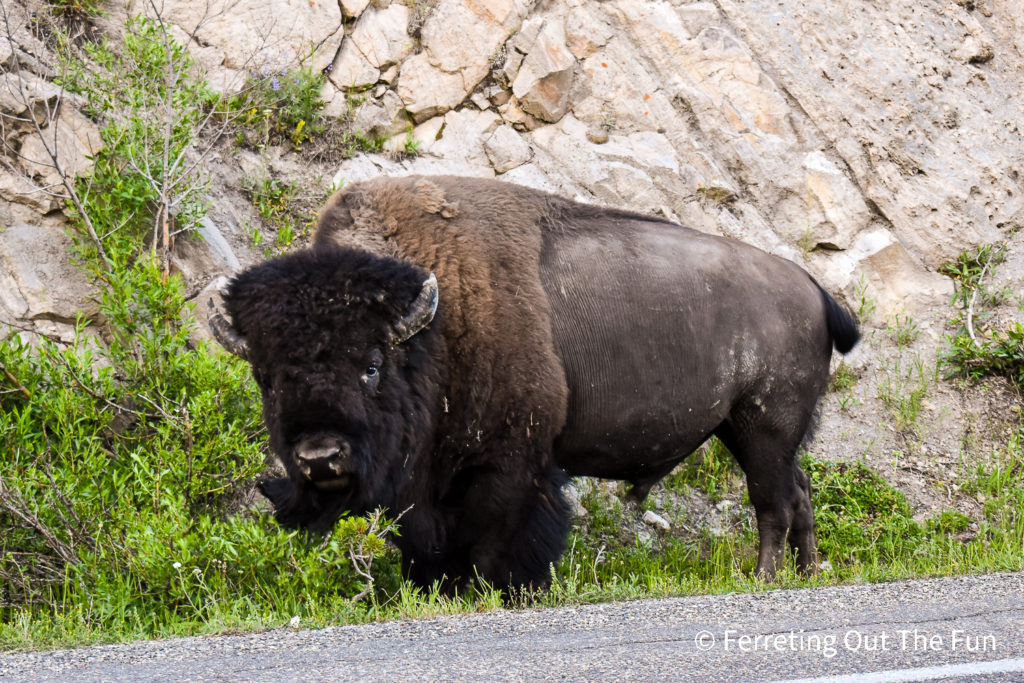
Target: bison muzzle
x=455 y=347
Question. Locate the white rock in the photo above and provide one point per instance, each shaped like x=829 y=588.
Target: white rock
x=507 y=149
x=27 y=94
x=72 y=137
x=453 y=63
x=381 y=118
x=353 y=8
x=37 y=278
x=586 y=30
x=427 y=133
x=655 y=520
x=257 y=34
x=427 y=90
x=836 y=208
x=461 y=138
x=381 y=37
x=573 y=496
x=351 y=70
x=546 y=74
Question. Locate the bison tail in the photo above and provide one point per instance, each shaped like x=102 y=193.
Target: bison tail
x=842 y=325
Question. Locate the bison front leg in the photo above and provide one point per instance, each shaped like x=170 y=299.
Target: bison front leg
x=514 y=526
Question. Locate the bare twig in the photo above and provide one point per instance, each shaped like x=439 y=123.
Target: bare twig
x=970 y=305
x=12 y=502
x=14 y=380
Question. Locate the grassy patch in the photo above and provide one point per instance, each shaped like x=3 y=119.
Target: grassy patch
x=902 y=389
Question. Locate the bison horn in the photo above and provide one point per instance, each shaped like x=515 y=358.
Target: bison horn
x=420 y=313
x=226 y=335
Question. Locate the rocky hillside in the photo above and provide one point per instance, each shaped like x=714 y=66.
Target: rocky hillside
x=871 y=142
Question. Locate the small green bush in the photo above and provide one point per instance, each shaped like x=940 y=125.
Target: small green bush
x=979 y=348
x=859 y=517
x=130 y=454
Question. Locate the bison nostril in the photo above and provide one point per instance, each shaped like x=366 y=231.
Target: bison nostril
x=322 y=450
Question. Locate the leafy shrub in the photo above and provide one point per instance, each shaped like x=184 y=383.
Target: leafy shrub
x=859 y=517
x=126 y=484
x=980 y=347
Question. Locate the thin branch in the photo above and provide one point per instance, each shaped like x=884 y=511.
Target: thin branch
x=970 y=304
x=14 y=380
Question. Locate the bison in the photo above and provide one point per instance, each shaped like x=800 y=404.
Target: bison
x=455 y=347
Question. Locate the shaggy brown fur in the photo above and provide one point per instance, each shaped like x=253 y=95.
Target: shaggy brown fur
x=483 y=240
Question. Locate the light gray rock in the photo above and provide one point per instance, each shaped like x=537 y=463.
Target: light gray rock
x=37 y=278
x=72 y=138
x=25 y=94
x=653 y=519
x=351 y=70
x=461 y=139
x=427 y=90
x=545 y=77
x=382 y=117
x=353 y=8
x=259 y=33
x=586 y=30
x=381 y=35
x=453 y=63
x=506 y=149
x=908 y=96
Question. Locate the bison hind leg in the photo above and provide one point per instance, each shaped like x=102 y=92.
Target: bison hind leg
x=779 y=490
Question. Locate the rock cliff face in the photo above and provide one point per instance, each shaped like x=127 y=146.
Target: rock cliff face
x=875 y=140
x=870 y=142
x=862 y=139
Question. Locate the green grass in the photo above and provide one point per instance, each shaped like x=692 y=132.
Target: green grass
x=902 y=389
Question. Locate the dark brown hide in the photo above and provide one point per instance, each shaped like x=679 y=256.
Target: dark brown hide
x=601 y=341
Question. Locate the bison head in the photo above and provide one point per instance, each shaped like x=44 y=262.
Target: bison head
x=341 y=346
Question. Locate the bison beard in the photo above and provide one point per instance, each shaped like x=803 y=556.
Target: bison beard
x=568 y=339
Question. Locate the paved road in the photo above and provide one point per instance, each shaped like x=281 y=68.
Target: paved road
x=938 y=629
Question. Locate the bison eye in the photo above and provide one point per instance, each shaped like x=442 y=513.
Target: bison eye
x=372 y=371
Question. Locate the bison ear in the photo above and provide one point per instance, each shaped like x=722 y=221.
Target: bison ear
x=225 y=333
x=419 y=315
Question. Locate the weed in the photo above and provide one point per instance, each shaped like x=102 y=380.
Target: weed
x=275 y=201
x=903 y=329
x=902 y=391
x=412 y=147
x=859 y=517
x=842 y=383
x=712 y=469
x=865 y=304
x=279 y=104
x=969 y=269
x=843 y=378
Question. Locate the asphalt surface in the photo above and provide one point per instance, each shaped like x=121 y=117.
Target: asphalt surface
x=965 y=628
